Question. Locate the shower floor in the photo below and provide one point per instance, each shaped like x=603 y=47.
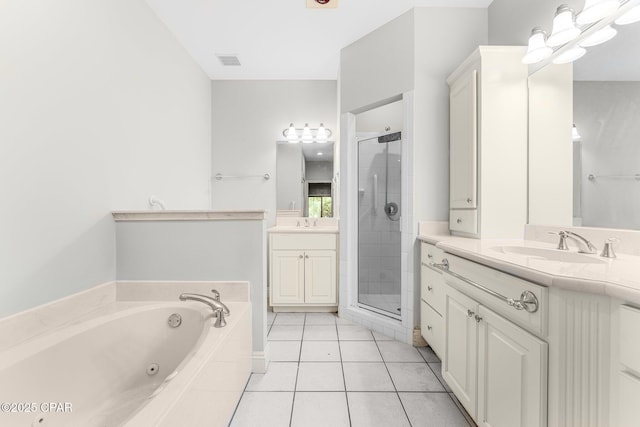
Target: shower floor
x=386 y=302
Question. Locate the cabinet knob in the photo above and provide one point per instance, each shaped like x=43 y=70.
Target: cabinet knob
x=300 y=256
x=469 y=200
x=478 y=318
x=429 y=288
x=459 y=220
x=306 y=256
x=429 y=327
x=470 y=313
x=429 y=256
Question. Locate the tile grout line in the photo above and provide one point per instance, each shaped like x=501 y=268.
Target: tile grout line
x=295 y=385
x=344 y=380
x=394 y=383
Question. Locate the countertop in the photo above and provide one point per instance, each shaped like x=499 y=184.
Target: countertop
x=619 y=277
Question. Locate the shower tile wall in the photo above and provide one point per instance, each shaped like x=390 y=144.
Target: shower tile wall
x=379 y=242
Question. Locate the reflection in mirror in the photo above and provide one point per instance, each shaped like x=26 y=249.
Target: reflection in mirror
x=604 y=161
x=305 y=185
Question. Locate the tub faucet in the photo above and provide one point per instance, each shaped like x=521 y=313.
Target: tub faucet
x=584 y=245
x=219 y=309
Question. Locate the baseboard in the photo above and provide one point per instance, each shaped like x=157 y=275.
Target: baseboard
x=259 y=362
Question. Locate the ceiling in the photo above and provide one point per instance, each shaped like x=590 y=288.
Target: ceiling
x=279 y=39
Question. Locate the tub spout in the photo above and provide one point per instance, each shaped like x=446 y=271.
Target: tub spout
x=219 y=309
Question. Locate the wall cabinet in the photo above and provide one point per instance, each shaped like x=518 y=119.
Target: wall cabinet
x=496 y=369
x=488 y=143
x=303 y=272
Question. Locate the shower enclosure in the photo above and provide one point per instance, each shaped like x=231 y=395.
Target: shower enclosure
x=379 y=233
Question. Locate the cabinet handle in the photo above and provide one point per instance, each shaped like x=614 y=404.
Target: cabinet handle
x=470 y=313
x=429 y=256
x=429 y=288
x=429 y=327
x=459 y=220
x=478 y=318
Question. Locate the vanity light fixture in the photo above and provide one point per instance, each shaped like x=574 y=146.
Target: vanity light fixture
x=570 y=55
x=564 y=27
x=633 y=15
x=537 y=49
x=600 y=36
x=307 y=134
x=595 y=10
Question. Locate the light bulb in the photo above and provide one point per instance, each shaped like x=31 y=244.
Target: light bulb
x=633 y=15
x=570 y=55
x=595 y=10
x=306 y=134
x=564 y=28
x=600 y=36
x=575 y=136
x=321 y=136
x=537 y=49
x=292 y=134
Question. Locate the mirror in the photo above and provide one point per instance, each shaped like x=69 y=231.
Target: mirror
x=593 y=180
x=305 y=185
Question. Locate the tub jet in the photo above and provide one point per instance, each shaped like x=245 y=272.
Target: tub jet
x=153 y=369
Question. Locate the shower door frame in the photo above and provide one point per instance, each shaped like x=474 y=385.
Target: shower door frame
x=358 y=303
x=401 y=330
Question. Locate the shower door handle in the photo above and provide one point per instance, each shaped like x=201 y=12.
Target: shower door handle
x=375 y=194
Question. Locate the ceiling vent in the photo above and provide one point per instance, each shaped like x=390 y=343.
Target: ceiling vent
x=228 y=60
x=322 y=4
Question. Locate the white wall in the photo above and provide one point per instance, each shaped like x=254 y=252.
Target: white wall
x=100 y=108
x=248 y=119
x=378 y=66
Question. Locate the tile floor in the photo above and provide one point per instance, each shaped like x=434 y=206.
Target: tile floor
x=328 y=372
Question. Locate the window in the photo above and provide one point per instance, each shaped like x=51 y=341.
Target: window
x=320 y=201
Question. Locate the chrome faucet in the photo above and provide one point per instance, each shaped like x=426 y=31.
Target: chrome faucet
x=219 y=309
x=584 y=245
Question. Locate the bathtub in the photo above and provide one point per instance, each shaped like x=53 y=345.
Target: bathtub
x=128 y=367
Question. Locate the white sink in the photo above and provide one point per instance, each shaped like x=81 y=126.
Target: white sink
x=549 y=254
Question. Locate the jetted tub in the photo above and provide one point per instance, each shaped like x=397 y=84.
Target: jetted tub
x=130 y=368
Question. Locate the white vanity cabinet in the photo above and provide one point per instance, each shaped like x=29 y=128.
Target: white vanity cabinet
x=431 y=298
x=628 y=369
x=488 y=143
x=302 y=271
x=496 y=368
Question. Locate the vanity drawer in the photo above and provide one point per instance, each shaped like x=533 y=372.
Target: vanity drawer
x=302 y=241
x=500 y=283
x=432 y=327
x=464 y=220
x=429 y=254
x=432 y=288
x=629 y=343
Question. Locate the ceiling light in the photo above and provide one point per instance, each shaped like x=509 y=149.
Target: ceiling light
x=320 y=153
x=570 y=55
x=595 y=10
x=538 y=49
x=575 y=136
x=564 y=27
x=306 y=134
x=600 y=36
x=633 y=15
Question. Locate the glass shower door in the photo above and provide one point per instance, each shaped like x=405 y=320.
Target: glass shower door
x=379 y=224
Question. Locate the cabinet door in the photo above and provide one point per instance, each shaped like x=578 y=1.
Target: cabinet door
x=459 y=367
x=287 y=274
x=463 y=141
x=512 y=374
x=320 y=277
